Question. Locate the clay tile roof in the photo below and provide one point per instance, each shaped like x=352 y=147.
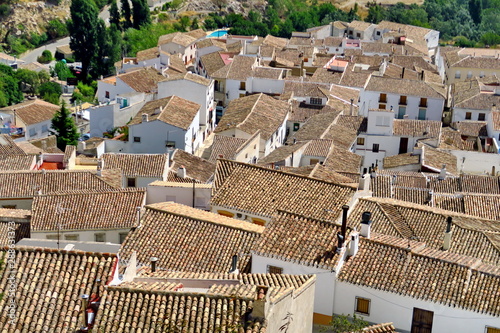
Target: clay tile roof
x=174 y=310
x=403 y=87
x=357 y=123
x=359 y=25
x=479 y=62
x=25 y=184
x=327 y=174
x=87 y=211
x=262 y=191
x=473 y=288
x=471 y=128
x=225 y=147
x=417 y=128
x=296 y=238
x=190 y=77
x=189 y=239
x=17 y=162
x=340 y=159
x=212 y=62
x=323 y=75
x=33 y=111
x=301 y=112
x=142 y=80
x=197 y=33
x=341 y=136
x=474 y=204
x=14 y=220
x=315 y=127
x=281 y=153
x=239 y=69
x=434 y=159
x=277 y=42
x=196 y=167
x=253 y=113
x=138 y=165
x=318 y=147
x=173 y=110
x=9 y=147
x=268 y=73
x=49 y=283
x=180 y=38
x=305 y=89
x=412 y=62
x=354 y=78
x=380 y=328
x=148 y=54
x=400 y=160
x=427 y=224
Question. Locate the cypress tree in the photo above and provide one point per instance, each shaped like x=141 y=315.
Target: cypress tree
x=64 y=128
x=126 y=14
x=140 y=13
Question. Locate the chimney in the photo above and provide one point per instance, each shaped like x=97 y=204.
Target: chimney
x=403 y=73
x=153 y=263
x=366 y=224
x=364 y=181
x=354 y=244
x=138 y=209
x=85 y=301
x=234 y=265
x=100 y=166
x=442 y=173
x=447 y=234
x=181 y=172
x=145 y=118
x=341 y=236
x=352 y=106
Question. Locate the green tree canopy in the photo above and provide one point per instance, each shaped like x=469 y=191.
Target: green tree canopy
x=126 y=14
x=114 y=14
x=50 y=92
x=83 y=32
x=140 y=13
x=64 y=128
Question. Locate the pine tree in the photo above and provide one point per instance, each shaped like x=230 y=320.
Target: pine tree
x=140 y=13
x=114 y=14
x=64 y=128
x=126 y=14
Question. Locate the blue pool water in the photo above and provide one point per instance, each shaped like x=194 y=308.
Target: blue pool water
x=218 y=33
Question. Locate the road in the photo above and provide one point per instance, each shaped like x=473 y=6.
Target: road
x=31 y=56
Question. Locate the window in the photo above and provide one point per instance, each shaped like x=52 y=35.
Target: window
x=52 y=236
x=170 y=144
x=402 y=100
x=360 y=141
x=45 y=128
x=383 y=98
x=469 y=75
x=401 y=112
x=358 y=35
x=258 y=221
x=296 y=127
x=32 y=132
x=313 y=161
x=378 y=33
x=130 y=182
x=137 y=139
x=468 y=115
x=457 y=75
x=382 y=121
x=422 y=114
x=122 y=236
x=274 y=269
x=106 y=94
x=100 y=237
x=481 y=117
x=375 y=147
x=363 y=305
x=423 y=102
x=72 y=237
x=492 y=330
x=243 y=85
x=381 y=106
x=315 y=101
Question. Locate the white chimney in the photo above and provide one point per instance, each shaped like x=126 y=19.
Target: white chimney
x=234 y=265
x=364 y=181
x=181 y=172
x=354 y=244
x=145 y=118
x=366 y=224
x=447 y=235
x=85 y=300
x=100 y=166
x=442 y=173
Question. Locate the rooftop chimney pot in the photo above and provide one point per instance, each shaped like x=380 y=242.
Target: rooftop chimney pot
x=366 y=224
x=153 y=263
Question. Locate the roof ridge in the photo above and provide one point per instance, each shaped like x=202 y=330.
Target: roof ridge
x=95 y=192
x=59 y=251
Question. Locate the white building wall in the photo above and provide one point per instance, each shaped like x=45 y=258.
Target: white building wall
x=475 y=162
x=389 y=307
x=181 y=195
x=38 y=130
x=388 y=146
x=325 y=280
x=106 y=117
x=112 y=235
x=154 y=136
x=459 y=114
x=266 y=86
x=21 y=203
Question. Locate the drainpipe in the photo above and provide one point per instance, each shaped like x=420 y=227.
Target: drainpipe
x=194 y=190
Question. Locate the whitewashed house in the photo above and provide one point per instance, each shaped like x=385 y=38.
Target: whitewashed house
x=475 y=98
x=407 y=98
x=152 y=57
x=194 y=88
x=166 y=123
x=191 y=194
x=182 y=44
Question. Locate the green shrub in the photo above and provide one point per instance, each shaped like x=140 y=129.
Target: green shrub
x=4 y=10
x=45 y=58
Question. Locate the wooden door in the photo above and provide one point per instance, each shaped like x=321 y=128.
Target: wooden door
x=422 y=321
x=403 y=145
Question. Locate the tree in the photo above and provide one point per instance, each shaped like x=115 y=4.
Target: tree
x=114 y=14
x=83 y=33
x=342 y=323
x=64 y=128
x=28 y=80
x=140 y=13
x=62 y=71
x=50 y=92
x=9 y=85
x=184 y=22
x=126 y=14
x=56 y=28
x=45 y=58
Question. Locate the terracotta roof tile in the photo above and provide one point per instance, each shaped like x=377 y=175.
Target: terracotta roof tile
x=301 y=112
x=196 y=167
x=281 y=153
x=188 y=239
x=190 y=77
x=141 y=165
x=401 y=160
x=315 y=127
x=471 y=128
x=239 y=69
x=435 y=159
x=87 y=211
x=263 y=191
x=173 y=110
x=339 y=159
x=8 y=147
x=178 y=38
x=142 y=80
x=49 y=284
x=341 y=136
x=33 y=111
x=277 y=42
x=212 y=62
x=357 y=123
x=403 y=87
x=327 y=174
x=254 y=113
x=323 y=75
x=17 y=162
x=225 y=147
x=319 y=147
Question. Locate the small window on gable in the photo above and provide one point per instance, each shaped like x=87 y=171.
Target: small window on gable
x=296 y=126
x=137 y=139
x=72 y=237
x=457 y=75
x=360 y=141
x=468 y=115
x=122 y=236
x=274 y=269
x=131 y=182
x=362 y=305
x=481 y=117
x=100 y=237
x=375 y=147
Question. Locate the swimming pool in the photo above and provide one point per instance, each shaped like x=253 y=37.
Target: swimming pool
x=218 y=33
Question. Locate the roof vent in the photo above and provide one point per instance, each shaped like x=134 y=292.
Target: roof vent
x=181 y=172
x=153 y=261
x=145 y=118
x=366 y=224
x=442 y=173
x=447 y=234
x=234 y=265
